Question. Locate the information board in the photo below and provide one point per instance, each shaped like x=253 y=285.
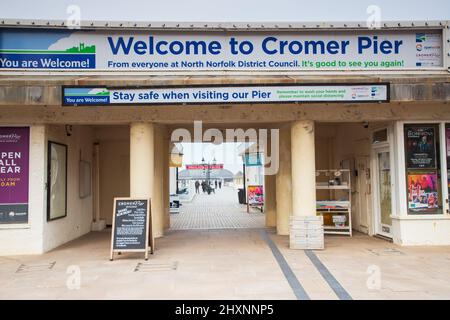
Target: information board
x=131 y=229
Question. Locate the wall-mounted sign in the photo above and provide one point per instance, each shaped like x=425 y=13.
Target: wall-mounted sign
x=88 y=96
x=87 y=50
x=203 y=166
x=420 y=144
x=131 y=228
x=14 y=162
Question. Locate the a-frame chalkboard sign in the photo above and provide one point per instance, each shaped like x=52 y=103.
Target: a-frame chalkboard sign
x=132 y=226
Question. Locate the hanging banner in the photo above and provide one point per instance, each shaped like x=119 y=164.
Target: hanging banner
x=87 y=96
x=86 y=50
x=14 y=162
x=420 y=147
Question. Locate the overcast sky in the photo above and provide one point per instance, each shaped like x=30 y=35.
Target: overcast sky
x=227 y=10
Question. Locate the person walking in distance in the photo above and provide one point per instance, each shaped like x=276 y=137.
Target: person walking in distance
x=197 y=187
x=203 y=186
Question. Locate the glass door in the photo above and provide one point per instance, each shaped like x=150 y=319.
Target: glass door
x=383 y=193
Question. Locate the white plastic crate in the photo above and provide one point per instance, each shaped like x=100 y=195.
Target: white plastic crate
x=306 y=232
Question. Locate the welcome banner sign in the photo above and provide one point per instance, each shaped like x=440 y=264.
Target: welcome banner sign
x=83 y=50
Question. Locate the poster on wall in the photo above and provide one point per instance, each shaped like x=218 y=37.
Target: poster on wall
x=423 y=194
x=255 y=195
x=420 y=147
x=14 y=161
x=56 y=181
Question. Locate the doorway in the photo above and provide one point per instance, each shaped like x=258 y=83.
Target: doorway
x=382 y=192
x=209 y=180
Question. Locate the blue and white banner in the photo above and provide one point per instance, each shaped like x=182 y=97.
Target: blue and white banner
x=95 y=51
x=88 y=96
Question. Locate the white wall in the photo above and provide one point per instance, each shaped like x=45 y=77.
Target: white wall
x=27 y=238
x=79 y=211
x=415 y=231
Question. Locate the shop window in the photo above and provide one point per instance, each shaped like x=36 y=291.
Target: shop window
x=423 y=169
x=380 y=136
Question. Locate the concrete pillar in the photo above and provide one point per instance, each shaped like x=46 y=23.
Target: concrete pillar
x=158 y=186
x=283 y=183
x=141 y=159
x=303 y=169
x=146 y=170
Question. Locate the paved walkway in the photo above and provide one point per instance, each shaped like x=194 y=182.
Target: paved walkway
x=228 y=264
x=216 y=211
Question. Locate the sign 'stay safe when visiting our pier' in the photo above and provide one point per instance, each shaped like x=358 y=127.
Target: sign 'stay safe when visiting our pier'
x=77 y=50
x=85 y=96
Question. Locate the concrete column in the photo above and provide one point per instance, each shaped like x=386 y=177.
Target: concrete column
x=283 y=184
x=303 y=169
x=141 y=159
x=158 y=191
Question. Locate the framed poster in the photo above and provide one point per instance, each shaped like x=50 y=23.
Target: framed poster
x=14 y=174
x=420 y=144
x=56 y=181
x=423 y=194
x=255 y=195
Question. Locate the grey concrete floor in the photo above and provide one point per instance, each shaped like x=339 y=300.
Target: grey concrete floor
x=226 y=264
x=219 y=210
